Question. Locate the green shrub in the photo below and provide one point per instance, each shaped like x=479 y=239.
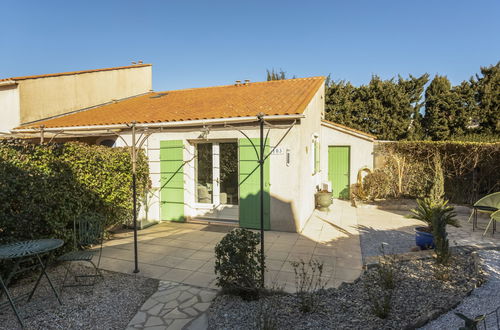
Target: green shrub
x=427 y=210
x=308 y=284
x=440 y=218
x=237 y=263
x=44 y=187
x=378 y=184
x=470 y=169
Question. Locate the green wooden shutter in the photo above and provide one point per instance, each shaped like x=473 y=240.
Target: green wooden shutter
x=172 y=180
x=338 y=171
x=249 y=185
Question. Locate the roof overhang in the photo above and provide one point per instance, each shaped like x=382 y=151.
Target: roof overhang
x=171 y=124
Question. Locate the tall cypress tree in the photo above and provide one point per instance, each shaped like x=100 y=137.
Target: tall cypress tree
x=488 y=97
x=386 y=108
x=438 y=107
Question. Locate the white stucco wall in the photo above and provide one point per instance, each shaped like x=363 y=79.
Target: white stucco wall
x=283 y=189
x=361 y=154
x=308 y=181
x=9 y=107
x=292 y=187
x=54 y=95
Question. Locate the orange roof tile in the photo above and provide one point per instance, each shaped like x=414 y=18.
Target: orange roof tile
x=75 y=72
x=279 y=97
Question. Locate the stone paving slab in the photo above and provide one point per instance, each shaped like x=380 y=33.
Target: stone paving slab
x=174 y=306
x=184 y=252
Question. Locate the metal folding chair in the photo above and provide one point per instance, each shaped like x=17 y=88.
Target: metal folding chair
x=88 y=232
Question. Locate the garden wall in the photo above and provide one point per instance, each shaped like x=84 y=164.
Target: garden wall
x=44 y=187
x=471 y=169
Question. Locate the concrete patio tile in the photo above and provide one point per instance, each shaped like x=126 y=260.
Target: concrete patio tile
x=176 y=275
x=170 y=261
x=199 y=279
x=152 y=271
x=191 y=264
x=273 y=264
x=208 y=267
x=277 y=255
x=322 y=250
x=302 y=249
x=355 y=263
x=205 y=254
x=346 y=274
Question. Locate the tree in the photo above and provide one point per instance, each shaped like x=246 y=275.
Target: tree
x=488 y=98
x=276 y=75
x=438 y=107
x=386 y=108
x=465 y=113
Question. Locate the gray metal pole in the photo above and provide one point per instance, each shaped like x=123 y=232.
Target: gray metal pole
x=134 y=194
x=261 y=163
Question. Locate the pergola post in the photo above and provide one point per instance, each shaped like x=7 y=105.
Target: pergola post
x=134 y=194
x=261 y=164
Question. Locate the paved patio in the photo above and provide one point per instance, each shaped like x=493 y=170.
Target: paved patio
x=397 y=233
x=181 y=255
x=184 y=252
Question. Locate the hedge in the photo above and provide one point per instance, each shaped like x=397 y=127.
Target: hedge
x=44 y=187
x=471 y=169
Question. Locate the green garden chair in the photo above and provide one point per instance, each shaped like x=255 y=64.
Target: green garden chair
x=488 y=204
x=494 y=217
x=88 y=232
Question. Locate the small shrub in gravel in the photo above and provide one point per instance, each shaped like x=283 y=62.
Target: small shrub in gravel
x=238 y=265
x=440 y=218
x=416 y=295
x=266 y=320
x=380 y=301
x=387 y=269
x=308 y=282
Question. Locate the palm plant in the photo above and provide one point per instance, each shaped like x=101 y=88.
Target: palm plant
x=427 y=209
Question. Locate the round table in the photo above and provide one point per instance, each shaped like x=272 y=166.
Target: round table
x=29 y=248
x=25 y=250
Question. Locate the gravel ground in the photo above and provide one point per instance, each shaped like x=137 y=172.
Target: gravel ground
x=110 y=304
x=416 y=294
x=481 y=301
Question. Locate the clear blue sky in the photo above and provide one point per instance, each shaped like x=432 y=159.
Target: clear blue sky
x=206 y=43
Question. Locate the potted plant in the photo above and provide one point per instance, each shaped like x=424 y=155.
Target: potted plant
x=323 y=200
x=425 y=211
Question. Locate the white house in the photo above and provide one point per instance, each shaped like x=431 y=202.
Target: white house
x=202 y=161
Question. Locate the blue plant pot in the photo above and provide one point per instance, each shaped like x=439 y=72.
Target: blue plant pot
x=423 y=239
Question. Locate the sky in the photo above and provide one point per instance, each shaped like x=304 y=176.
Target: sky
x=209 y=43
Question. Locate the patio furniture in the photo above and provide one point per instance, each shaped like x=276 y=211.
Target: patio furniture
x=487 y=204
x=88 y=232
x=494 y=217
x=21 y=252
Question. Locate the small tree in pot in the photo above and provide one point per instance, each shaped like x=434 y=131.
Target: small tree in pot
x=427 y=211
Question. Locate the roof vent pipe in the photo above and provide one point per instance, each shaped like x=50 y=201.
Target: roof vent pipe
x=237 y=83
x=247 y=81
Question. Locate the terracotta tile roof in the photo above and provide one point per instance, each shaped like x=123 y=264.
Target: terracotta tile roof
x=348 y=128
x=74 y=72
x=280 y=97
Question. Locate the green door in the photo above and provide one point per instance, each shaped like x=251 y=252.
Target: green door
x=249 y=185
x=172 y=180
x=338 y=170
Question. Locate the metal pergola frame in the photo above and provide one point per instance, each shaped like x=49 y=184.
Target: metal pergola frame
x=145 y=130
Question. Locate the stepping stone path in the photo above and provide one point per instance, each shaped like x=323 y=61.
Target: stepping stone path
x=174 y=306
